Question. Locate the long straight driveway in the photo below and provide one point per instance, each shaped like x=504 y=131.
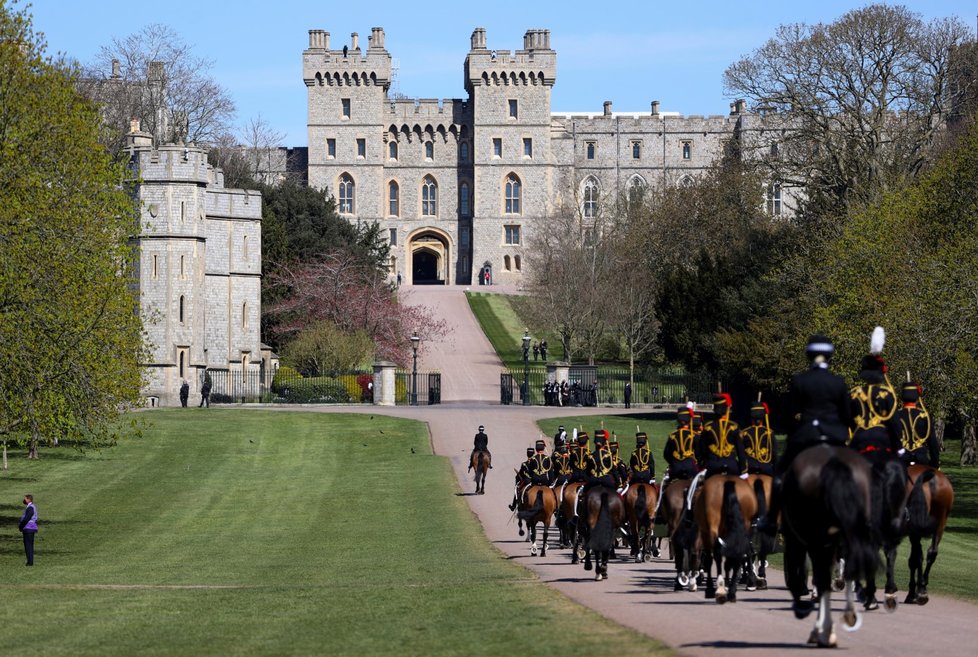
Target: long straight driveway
x=637 y=595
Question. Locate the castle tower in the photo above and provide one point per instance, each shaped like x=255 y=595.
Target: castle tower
x=510 y=97
x=347 y=90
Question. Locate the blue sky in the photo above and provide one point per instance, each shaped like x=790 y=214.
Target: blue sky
x=629 y=52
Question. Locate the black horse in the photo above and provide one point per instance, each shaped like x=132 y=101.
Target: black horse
x=888 y=520
x=604 y=514
x=825 y=511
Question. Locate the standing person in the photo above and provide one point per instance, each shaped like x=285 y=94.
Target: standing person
x=398 y=279
x=536 y=351
x=28 y=527
x=628 y=394
x=543 y=350
x=480 y=444
x=184 y=393
x=205 y=392
x=821 y=409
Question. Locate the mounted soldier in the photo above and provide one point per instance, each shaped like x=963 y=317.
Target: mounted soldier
x=480 y=444
x=874 y=406
x=916 y=435
x=523 y=477
x=560 y=438
x=641 y=464
x=579 y=457
x=680 y=449
x=721 y=450
x=621 y=469
x=561 y=472
x=760 y=445
x=540 y=466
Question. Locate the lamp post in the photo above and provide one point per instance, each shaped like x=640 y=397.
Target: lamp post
x=526 y=367
x=414 y=371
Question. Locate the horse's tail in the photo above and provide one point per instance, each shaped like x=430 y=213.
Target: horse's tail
x=531 y=512
x=736 y=540
x=603 y=534
x=641 y=506
x=843 y=500
x=479 y=466
x=766 y=540
x=921 y=522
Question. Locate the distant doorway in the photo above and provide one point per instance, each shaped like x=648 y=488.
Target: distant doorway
x=429 y=258
x=426 y=268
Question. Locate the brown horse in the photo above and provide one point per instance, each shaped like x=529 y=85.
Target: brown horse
x=640 y=503
x=723 y=513
x=683 y=539
x=566 y=521
x=481 y=461
x=931 y=499
x=541 y=510
x=604 y=514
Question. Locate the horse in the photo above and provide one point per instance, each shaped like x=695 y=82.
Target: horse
x=931 y=499
x=566 y=521
x=640 y=503
x=683 y=538
x=888 y=506
x=542 y=510
x=825 y=516
x=761 y=484
x=481 y=461
x=603 y=515
x=723 y=512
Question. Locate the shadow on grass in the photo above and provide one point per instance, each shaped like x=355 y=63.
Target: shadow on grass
x=747 y=645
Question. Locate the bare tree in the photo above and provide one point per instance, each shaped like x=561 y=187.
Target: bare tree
x=864 y=99
x=153 y=76
x=262 y=145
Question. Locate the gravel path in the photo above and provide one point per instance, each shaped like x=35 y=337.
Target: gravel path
x=636 y=595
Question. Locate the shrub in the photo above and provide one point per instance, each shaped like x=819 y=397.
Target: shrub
x=314 y=390
x=285 y=377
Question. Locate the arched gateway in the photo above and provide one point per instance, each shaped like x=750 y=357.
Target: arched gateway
x=429 y=257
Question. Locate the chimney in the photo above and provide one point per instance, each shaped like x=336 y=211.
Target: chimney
x=354 y=41
x=116 y=69
x=479 y=38
x=156 y=71
x=607 y=108
x=740 y=106
x=655 y=108
x=377 y=38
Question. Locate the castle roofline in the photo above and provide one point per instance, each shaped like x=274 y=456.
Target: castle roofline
x=629 y=115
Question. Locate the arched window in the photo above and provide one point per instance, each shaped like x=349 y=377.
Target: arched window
x=182 y=271
x=182 y=368
x=590 y=198
x=429 y=150
x=685 y=181
x=393 y=199
x=463 y=151
x=244 y=315
x=347 y=194
x=506 y=264
x=244 y=247
x=687 y=150
x=513 y=194
x=392 y=150
x=464 y=200
x=181 y=309
x=429 y=197
x=636 y=190
x=517 y=263
x=590 y=150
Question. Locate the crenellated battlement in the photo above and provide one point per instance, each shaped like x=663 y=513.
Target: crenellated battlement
x=171 y=163
x=347 y=66
x=535 y=64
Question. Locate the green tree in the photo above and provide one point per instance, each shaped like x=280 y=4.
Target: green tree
x=70 y=333
x=323 y=348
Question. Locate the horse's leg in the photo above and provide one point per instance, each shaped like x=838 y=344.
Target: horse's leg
x=851 y=619
x=890 y=599
x=546 y=534
x=915 y=562
x=823 y=635
x=922 y=597
x=532 y=538
x=708 y=558
x=722 y=580
x=796 y=576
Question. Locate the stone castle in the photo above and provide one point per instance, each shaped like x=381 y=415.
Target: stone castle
x=458 y=185
x=199 y=270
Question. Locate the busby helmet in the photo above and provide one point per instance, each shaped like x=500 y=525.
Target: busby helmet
x=910 y=393
x=697 y=422
x=683 y=416
x=723 y=401
x=600 y=437
x=562 y=449
x=541 y=445
x=582 y=438
x=819 y=345
x=529 y=451
x=642 y=438
x=759 y=411
x=613 y=445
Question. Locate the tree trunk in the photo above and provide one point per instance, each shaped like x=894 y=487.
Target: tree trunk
x=968 y=456
x=939 y=432
x=32 y=446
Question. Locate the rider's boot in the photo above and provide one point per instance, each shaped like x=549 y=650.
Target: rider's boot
x=768 y=523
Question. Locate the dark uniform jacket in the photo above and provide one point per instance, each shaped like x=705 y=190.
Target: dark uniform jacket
x=580 y=456
x=642 y=465
x=760 y=447
x=820 y=409
x=680 y=453
x=539 y=468
x=877 y=429
x=601 y=469
x=721 y=450
x=561 y=471
x=917 y=438
x=481 y=441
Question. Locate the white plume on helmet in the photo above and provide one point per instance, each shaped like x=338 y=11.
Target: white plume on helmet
x=877 y=340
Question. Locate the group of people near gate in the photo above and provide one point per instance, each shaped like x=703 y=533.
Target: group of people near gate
x=871 y=418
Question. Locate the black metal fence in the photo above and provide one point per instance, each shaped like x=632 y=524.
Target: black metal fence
x=605 y=385
x=290 y=387
x=422 y=392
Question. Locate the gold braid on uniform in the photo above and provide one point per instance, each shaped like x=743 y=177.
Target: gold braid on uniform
x=538 y=467
x=643 y=456
x=682 y=438
x=758 y=443
x=869 y=416
x=916 y=430
x=722 y=446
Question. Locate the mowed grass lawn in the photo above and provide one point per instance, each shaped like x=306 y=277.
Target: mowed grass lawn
x=954 y=572
x=248 y=532
x=502 y=326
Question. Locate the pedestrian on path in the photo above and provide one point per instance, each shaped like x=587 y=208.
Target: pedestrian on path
x=184 y=393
